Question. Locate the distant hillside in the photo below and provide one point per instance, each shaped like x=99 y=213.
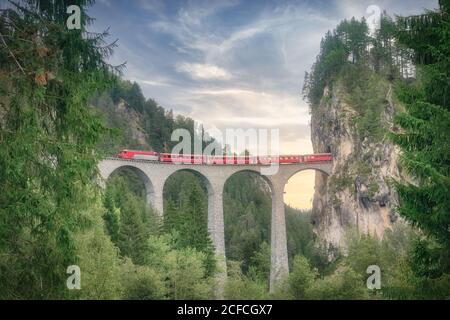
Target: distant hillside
x=137 y=122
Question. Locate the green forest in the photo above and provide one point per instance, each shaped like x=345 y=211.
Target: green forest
x=58 y=97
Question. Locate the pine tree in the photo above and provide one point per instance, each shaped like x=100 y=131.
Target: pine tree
x=424 y=136
x=112 y=217
x=186 y=217
x=132 y=240
x=425 y=141
x=48 y=137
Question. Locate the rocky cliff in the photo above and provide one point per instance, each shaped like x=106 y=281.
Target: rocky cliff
x=133 y=119
x=351 y=122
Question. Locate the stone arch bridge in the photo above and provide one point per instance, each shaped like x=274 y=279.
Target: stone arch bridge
x=154 y=174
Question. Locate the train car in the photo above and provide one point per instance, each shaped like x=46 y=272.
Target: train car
x=182 y=158
x=233 y=160
x=252 y=160
x=242 y=160
x=229 y=159
x=268 y=159
x=138 y=155
x=289 y=159
x=197 y=159
x=214 y=160
x=319 y=157
x=165 y=157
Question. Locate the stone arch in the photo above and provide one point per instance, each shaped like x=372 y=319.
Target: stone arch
x=203 y=178
x=255 y=171
x=294 y=172
x=214 y=219
x=149 y=188
x=215 y=205
x=324 y=172
x=269 y=182
x=210 y=194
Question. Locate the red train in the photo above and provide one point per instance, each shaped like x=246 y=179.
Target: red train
x=220 y=160
x=140 y=155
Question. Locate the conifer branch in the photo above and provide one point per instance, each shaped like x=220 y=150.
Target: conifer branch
x=11 y=53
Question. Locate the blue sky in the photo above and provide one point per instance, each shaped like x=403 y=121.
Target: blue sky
x=230 y=64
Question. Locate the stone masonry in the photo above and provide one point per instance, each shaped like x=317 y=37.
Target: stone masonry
x=154 y=175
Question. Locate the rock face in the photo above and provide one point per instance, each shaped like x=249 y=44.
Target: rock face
x=358 y=192
x=133 y=119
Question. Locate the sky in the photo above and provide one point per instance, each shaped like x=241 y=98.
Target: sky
x=235 y=63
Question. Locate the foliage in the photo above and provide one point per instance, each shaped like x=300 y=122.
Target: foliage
x=124 y=107
x=346 y=276
x=183 y=269
x=352 y=50
x=367 y=96
x=362 y=251
x=99 y=261
x=120 y=133
x=247 y=211
x=301 y=277
x=424 y=140
x=238 y=286
x=299 y=233
x=344 y=284
x=260 y=263
x=403 y=274
x=142 y=283
x=129 y=220
x=48 y=137
x=186 y=216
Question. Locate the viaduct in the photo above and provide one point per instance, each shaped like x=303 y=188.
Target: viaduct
x=154 y=175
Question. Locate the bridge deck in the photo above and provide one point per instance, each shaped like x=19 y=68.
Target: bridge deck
x=213 y=164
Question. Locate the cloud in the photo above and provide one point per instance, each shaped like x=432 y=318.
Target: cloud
x=154 y=83
x=154 y=6
x=203 y=71
x=244 y=108
x=350 y=8
x=237 y=37
x=232 y=63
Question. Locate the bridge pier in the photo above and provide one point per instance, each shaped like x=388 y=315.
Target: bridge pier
x=279 y=267
x=157 y=201
x=217 y=234
x=215 y=221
